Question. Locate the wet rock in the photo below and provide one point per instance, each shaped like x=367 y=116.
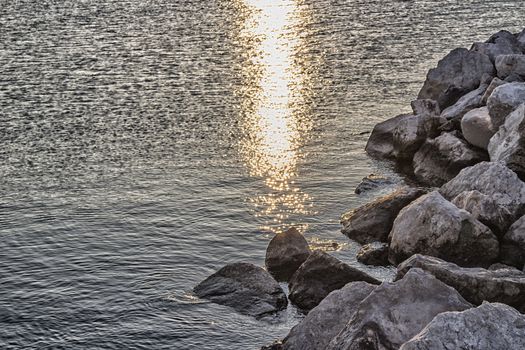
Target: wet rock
x=503 y=101
x=513 y=244
x=375 y=253
x=380 y=143
x=442 y=158
x=395 y=312
x=508 y=144
x=328 y=318
x=510 y=64
x=496 y=82
x=245 y=287
x=432 y=225
x=372 y=182
x=285 y=253
x=474 y=284
x=466 y=103
x=321 y=274
x=487 y=327
x=373 y=221
x=457 y=73
x=476 y=127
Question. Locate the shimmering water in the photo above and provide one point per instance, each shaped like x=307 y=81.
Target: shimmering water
x=144 y=144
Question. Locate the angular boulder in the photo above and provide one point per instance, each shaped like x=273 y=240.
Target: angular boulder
x=380 y=143
x=245 y=287
x=373 y=182
x=375 y=253
x=285 y=253
x=433 y=226
x=501 y=43
x=513 y=244
x=321 y=274
x=466 y=103
x=411 y=133
x=496 y=82
x=395 y=312
x=476 y=127
x=503 y=100
x=507 y=65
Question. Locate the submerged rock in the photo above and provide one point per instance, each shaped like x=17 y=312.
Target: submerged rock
x=375 y=253
x=503 y=101
x=285 y=253
x=395 y=312
x=321 y=274
x=245 y=287
x=476 y=127
x=507 y=65
x=372 y=182
x=513 y=244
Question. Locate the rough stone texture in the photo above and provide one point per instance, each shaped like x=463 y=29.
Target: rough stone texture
x=380 y=143
x=372 y=182
x=442 y=158
x=487 y=327
x=500 y=266
x=321 y=274
x=285 y=253
x=503 y=101
x=395 y=312
x=245 y=287
x=510 y=64
x=328 y=318
x=476 y=127
x=432 y=225
x=425 y=108
x=508 y=144
x=375 y=253
x=465 y=103
x=521 y=39
x=496 y=82
x=457 y=73
x=373 y=221
x=411 y=133
x=474 y=284
x=501 y=43
x=513 y=245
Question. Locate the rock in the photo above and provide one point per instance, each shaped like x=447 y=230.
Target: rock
x=476 y=127
x=465 y=103
x=375 y=253
x=500 y=266
x=372 y=182
x=457 y=73
x=285 y=253
x=513 y=244
x=373 y=221
x=487 y=327
x=411 y=133
x=321 y=274
x=501 y=43
x=442 y=158
x=510 y=64
x=503 y=101
x=496 y=82
x=521 y=39
x=380 y=143
x=508 y=144
x=432 y=225
x=425 y=108
x=395 y=312
x=245 y=287
x=328 y=318
x=474 y=284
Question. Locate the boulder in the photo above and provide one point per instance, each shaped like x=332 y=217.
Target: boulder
x=245 y=287
x=464 y=104
x=372 y=182
x=513 y=244
x=432 y=225
x=503 y=100
x=496 y=82
x=501 y=43
x=395 y=312
x=425 y=108
x=375 y=253
x=328 y=318
x=458 y=73
x=442 y=158
x=488 y=327
x=321 y=274
x=474 y=284
x=380 y=143
x=285 y=253
x=510 y=64
x=373 y=221
x=500 y=266
x=521 y=39
x=508 y=144
x=476 y=127
x=411 y=133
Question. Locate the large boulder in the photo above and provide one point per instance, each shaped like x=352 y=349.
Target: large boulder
x=328 y=318
x=508 y=144
x=501 y=43
x=373 y=182
x=458 y=73
x=245 y=287
x=476 y=127
x=375 y=253
x=432 y=225
x=465 y=103
x=395 y=312
x=513 y=244
x=321 y=274
x=474 y=284
x=510 y=64
x=412 y=132
x=503 y=100
x=380 y=143
x=373 y=221
x=442 y=158
x=487 y=327
x=285 y=253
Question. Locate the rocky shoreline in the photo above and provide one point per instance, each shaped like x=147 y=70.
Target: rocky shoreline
x=457 y=236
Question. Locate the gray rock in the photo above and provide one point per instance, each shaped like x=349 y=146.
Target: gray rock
x=373 y=221
x=496 y=82
x=432 y=225
x=321 y=274
x=442 y=158
x=375 y=253
x=474 y=284
x=476 y=127
x=328 y=318
x=285 y=253
x=513 y=244
x=425 y=108
x=457 y=73
x=508 y=144
x=395 y=312
x=380 y=143
x=487 y=327
x=521 y=39
x=245 y=287
x=510 y=64
x=501 y=43
x=372 y=182
x=500 y=266
x=504 y=100
x=465 y=103
x=411 y=133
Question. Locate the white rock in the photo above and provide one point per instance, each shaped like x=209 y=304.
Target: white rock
x=476 y=127
x=504 y=100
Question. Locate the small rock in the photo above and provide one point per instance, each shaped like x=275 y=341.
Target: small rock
x=375 y=253
x=476 y=127
x=285 y=253
x=496 y=82
x=465 y=103
x=510 y=64
x=380 y=143
x=503 y=101
x=372 y=182
x=513 y=244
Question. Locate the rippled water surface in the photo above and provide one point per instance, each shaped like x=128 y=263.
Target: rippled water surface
x=144 y=144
